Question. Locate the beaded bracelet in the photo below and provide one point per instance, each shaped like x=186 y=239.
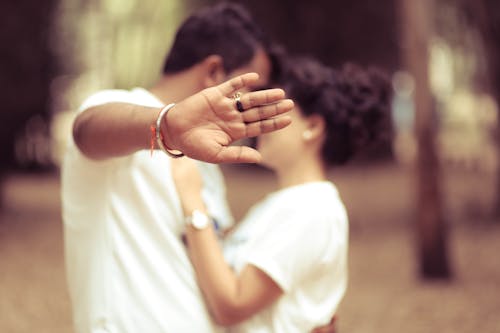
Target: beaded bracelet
x=156 y=134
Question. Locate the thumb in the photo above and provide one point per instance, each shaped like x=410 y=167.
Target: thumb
x=238 y=154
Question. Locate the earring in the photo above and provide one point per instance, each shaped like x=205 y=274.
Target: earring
x=307 y=135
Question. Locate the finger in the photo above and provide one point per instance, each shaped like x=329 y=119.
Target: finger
x=267 y=111
x=238 y=154
x=267 y=125
x=230 y=87
x=261 y=97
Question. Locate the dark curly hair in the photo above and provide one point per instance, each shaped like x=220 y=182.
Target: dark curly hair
x=225 y=29
x=354 y=103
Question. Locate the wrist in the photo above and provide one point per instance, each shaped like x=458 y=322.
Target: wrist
x=167 y=129
x=164 y=136
x=194 y=205
x=198 y=220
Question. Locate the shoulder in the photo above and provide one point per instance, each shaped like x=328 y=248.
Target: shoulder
x=135 y=96
x=106 y=96
x=313 y=200
x=318 y=215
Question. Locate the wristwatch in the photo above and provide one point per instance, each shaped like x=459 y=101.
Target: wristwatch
x=198 y=220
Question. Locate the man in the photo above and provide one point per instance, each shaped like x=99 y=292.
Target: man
x=127 y=268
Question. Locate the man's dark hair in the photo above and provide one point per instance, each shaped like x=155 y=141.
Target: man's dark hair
x=225 y=29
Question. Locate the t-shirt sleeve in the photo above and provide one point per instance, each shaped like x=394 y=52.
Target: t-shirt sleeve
x=80 y=164
x=106 y=96
x=100 y=98
x=292 y=247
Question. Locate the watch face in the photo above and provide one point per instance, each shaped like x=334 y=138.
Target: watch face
x=199 y=220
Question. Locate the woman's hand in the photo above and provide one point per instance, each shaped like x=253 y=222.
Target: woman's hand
x=189 y=184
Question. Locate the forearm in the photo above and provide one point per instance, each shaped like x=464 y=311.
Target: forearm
x=114 y=129
x=217 y=280
x=231 y=297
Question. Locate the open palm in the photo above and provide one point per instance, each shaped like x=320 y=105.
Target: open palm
x=208 y=122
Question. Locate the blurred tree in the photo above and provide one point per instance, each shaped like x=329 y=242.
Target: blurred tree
x=485 y=16
x=106 y=44
x=416 y=22
x=482 y=17
x=27 y=67
x=335 y=31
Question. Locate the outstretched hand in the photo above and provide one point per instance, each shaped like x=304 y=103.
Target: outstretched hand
x=204 y=125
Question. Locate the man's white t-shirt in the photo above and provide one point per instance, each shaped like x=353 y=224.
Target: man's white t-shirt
x=298 y=236
x=127 y=269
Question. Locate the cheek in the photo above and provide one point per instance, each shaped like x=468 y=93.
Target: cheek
x=266 y=145
x=272 y=143
x=262 y=142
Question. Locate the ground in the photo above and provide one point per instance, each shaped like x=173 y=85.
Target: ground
x=385 y=292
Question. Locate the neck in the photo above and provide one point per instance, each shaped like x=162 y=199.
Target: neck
x=172 y=88
x=300 y=172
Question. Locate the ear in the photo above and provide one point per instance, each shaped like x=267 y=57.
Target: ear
x=315 y=128
x=213 y=68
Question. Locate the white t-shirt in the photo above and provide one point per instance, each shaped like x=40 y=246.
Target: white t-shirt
x=127 y=268
x=299 y=237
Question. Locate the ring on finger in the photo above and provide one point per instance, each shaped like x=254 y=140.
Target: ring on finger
x=237 y=99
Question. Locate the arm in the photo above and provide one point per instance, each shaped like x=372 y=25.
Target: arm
x=231 y=298
x=202 y=126
x=113 y=129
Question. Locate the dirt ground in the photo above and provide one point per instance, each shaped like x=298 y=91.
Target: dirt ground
x=384 y=295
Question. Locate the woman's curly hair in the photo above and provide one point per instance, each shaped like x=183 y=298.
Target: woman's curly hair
x=354 y=103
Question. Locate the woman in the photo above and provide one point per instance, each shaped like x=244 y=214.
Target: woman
x=286 y=263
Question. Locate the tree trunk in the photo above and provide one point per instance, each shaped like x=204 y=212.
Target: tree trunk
x=416 y=23
x=486 y=18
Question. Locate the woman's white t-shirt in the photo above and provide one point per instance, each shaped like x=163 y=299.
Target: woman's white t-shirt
x=298 y=236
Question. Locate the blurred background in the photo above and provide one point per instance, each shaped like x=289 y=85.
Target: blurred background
x=424 y=208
